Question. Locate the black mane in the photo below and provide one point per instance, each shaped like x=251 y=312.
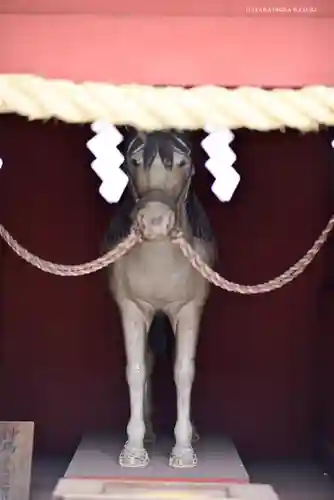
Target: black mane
x=197 y=218
x=120 y=224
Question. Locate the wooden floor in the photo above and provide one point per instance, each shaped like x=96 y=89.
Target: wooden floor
x=292 y=481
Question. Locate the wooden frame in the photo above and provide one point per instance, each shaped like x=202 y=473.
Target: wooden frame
x=99 y=489
x=16 y=446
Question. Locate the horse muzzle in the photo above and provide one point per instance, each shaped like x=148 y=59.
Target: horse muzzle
x=155 y=221
x=155 y=216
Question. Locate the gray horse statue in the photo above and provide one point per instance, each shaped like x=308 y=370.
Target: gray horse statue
x=155 y=280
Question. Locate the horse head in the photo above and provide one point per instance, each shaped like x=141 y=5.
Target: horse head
x=159 y=167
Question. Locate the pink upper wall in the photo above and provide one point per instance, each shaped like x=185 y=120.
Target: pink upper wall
x=172 y=7
x=177 y=43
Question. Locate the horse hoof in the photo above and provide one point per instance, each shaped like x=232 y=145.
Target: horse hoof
x=133 y=457
x=183 y=458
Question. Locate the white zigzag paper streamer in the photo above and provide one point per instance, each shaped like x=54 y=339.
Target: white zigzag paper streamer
x=219 y=164
x=108 y=160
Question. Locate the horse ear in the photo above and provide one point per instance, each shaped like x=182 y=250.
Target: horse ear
x=130 y=130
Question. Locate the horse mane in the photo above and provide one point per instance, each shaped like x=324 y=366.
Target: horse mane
x=120 y=224
x=197 y=218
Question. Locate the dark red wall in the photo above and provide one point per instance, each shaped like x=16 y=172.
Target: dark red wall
x=326 y=352
x=61 y=357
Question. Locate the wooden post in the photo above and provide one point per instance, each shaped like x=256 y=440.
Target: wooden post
x=16 y=446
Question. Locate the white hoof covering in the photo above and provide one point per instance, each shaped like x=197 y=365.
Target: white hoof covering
x=183 y=458
x=133 y=457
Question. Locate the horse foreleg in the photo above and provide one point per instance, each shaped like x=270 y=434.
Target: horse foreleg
x=149 y=433
x=186 y=331
x=134 y=329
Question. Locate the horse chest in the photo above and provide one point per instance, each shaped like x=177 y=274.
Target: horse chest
x=158 y=273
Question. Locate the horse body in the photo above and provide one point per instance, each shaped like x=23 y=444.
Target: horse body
x=155 y=277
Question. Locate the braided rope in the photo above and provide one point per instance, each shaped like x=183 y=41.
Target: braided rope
x=154 y=108
x=76 y=269
x=283 y=279
x=177 y=238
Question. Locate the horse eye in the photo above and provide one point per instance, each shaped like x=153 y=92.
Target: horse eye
x=135 y=162
x=182 y=163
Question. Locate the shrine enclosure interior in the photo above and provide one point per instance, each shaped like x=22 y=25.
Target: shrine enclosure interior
x=265 y=363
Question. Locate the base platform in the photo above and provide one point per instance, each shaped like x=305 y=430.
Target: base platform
x=97 y=456
x=94 y=474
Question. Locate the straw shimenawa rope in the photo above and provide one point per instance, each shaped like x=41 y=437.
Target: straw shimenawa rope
x=154 y=108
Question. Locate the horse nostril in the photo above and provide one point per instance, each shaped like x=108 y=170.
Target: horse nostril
x=156 y=221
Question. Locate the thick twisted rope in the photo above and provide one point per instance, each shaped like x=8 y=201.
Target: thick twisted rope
x=177 y=238
x=154 y=108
